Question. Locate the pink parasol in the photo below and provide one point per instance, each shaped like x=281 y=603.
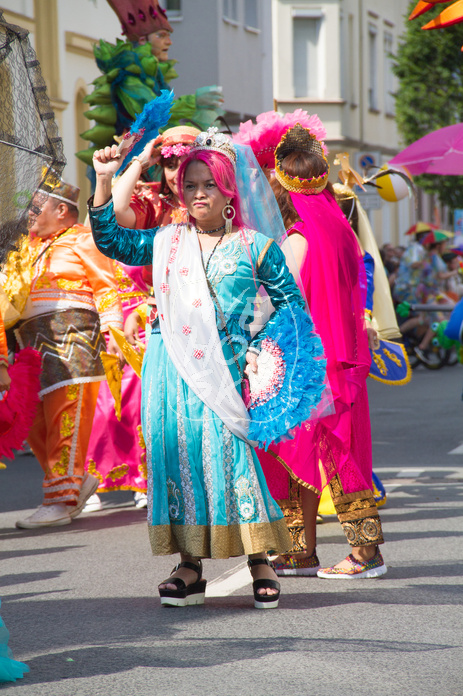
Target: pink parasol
x=439 y=152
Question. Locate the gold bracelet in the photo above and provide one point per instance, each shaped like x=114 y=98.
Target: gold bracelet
x=143 y=164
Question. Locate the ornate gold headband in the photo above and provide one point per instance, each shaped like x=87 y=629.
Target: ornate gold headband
x=299 y=138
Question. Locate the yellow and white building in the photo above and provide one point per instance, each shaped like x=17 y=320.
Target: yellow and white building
x=62 y=32
x=333 y=58
x=330 y=57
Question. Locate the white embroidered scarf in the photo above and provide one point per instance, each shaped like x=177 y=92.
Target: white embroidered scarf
x=188 y=325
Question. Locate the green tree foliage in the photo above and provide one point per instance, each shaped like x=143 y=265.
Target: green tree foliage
x=429 y=65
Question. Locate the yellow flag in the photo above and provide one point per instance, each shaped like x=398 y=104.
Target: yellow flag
x=114 y=377
x=133 y=356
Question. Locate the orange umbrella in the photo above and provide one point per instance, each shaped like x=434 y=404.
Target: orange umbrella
x=423 y=7
x=451 y=15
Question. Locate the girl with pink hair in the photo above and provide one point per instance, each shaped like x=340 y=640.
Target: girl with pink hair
x=207 y=496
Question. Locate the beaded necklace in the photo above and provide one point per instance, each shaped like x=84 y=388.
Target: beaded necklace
x=217 y=229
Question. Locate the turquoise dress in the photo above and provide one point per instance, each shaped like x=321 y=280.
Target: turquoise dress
x=207 y=495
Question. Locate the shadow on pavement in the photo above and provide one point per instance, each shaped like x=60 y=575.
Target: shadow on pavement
x=93 y=522
x=200 y=653
x=20 y=578
x=22 y=553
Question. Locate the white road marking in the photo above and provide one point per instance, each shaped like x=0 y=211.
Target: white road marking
x=381 y=470
x=389 y=487
x=456 y=474
x=457 y=450
x=230 y=581
x=410 y=473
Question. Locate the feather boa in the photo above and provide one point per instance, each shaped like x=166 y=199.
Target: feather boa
x=304 y=380
x=18 y=407
x=264 y=136
x=154 y=116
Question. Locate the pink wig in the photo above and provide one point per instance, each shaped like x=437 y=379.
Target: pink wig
x=222 y=172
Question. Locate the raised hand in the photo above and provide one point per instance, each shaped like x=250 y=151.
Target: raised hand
x=107 y=161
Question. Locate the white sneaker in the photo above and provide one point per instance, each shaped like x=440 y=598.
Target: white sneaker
x=89 y=486
x=93 y=504
x=141 y=500
x=55 y=515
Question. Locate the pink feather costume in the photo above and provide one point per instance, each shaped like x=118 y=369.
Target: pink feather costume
x=19 y=404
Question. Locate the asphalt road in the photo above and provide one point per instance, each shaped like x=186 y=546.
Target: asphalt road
x=82 y=608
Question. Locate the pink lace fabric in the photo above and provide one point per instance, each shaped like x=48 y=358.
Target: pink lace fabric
x=331 y=280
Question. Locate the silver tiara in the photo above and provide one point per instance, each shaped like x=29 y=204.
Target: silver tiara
x=218 y=142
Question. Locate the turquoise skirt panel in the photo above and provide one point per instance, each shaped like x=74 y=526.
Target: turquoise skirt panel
x=207 y=495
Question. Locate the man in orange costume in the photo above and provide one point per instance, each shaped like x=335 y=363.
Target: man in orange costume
x=73 y=298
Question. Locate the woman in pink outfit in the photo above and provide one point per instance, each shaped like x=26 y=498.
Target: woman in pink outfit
x=326 y=259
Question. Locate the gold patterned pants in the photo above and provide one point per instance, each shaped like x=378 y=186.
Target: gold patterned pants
x=356 y=512
x=59 y=439
x=358 y=515
x=340 y=450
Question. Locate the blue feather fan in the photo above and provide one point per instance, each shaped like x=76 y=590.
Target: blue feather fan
x=300 y=392
x=155 y=115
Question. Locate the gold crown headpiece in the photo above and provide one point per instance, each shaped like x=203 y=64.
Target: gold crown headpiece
x=216 y=142
x=299 y=138
x=50 y=179
x=55 y=187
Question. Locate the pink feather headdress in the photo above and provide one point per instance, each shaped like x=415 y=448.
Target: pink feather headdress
x=19 y=405
x=264 y=135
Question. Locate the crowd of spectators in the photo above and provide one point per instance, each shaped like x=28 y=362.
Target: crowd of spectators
x=426 y=272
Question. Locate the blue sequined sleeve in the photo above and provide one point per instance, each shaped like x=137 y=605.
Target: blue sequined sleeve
x=369 y=264
x=280 y=285
x=132 y=247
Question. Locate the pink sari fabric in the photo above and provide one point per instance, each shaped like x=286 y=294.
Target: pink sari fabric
x=331 y=280
x=116 y=454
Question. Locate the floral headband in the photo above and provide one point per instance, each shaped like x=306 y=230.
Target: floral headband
x=175 y=150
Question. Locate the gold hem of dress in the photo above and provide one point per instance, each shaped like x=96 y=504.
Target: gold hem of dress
x=293 y=476
x=220 y=541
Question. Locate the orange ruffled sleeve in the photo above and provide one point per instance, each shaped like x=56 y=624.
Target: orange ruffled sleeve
x=100 y=275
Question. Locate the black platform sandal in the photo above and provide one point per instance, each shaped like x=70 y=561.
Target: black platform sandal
x=184 y=595
x=264 y=601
